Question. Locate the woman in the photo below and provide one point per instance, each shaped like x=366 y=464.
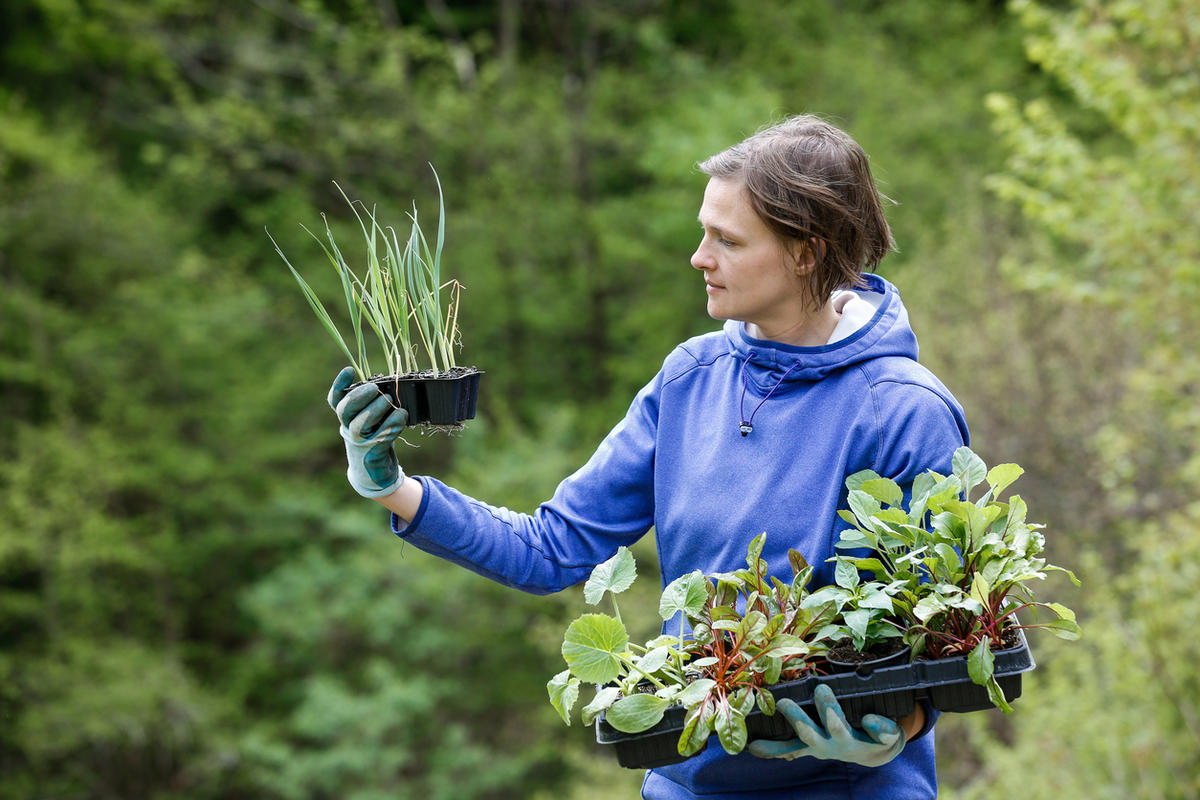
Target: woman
x=752 y=428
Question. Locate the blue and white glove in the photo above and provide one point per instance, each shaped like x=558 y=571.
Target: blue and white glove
x=370 y=426
x=882 y=741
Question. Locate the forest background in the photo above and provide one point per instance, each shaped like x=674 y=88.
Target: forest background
x=193 y=604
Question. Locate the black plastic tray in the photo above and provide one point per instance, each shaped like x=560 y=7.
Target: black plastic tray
x=889 y=691
x=434 y=400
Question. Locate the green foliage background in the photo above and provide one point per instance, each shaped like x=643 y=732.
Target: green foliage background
x=192 y=602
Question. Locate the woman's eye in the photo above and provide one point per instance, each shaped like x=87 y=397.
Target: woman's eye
x=725 y=242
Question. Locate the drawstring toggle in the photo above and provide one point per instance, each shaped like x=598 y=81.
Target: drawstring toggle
x=746 y=428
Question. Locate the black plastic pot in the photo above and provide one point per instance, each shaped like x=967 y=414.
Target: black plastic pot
x=444 y=399
x=891 y=691
x=887 y=694
x=659 y=746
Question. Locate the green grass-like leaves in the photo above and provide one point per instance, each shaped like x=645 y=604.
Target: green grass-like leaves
x=397 y=294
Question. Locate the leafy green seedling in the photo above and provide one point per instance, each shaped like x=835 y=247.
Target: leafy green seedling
x=958 y=570
x=398 y=295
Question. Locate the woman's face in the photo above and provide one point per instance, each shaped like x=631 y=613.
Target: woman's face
x=748 y=273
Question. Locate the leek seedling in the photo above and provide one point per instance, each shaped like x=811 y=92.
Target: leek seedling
x=398 y=294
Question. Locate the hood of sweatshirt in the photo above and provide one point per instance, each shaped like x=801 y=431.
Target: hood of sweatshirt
x=776 y=368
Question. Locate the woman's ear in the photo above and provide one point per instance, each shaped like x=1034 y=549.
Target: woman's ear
x=806 y=255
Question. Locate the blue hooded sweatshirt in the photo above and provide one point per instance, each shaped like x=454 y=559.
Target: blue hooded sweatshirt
x=678 y=462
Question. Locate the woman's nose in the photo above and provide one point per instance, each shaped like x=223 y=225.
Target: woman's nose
x=700 y=259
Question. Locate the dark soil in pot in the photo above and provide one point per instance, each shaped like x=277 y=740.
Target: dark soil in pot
x=842 y=657
x=444 y=399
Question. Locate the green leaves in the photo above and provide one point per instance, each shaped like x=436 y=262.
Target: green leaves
x=614 y=575
x=563 y=689
x=591 y=647
x=980 y=666
x=1001 y=476
x=636 y=713
x=397 y=292
x=686 y=594
x=730 y=724
x=969 y=468
x=604 y=698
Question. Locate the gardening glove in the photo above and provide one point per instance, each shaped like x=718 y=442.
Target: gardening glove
x=883 y=739
x=370 y=425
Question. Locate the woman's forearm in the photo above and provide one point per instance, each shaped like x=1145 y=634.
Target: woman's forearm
x=913 y=723
x=405 y=501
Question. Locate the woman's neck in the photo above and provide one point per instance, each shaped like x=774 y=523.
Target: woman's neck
x=812 y=329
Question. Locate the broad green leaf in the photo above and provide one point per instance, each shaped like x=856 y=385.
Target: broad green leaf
x=772 y=672
x=826 y=594
x=845 y=574
x=604 y=698
x=981 y=590
x=707 y=661
x=992 y=570
x=725 y=612
x=731 y=728
x=853 y=537
x=726 y=624
x=967 y=513
x=743 y=701
x=949 y=557
x=668 y=693
x=797 y=561
x=922 y=485
x=996 y=695
x=827 y=632
x=687 y=593
x=857 y=621
x=695 y=691
x=969 y=468
x=863 y=505
x=885 y=490
x=916 y=643
x=876 y=599
x=1017 y=511
x=563 y=690
x=591 y=646
x=636 y=712
x=1065 y=629
x=653 y=661
x=968 y=604
x=752 y=625
x=766 y=700
x=893 y=516
x=697 y=726
x=928 y=606
x=981 y=662
x=754 y=551
x=1001 y=476
x=870 y=565
x=856 y=480
x=614 y=575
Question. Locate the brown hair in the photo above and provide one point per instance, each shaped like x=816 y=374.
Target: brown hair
x=808 y=180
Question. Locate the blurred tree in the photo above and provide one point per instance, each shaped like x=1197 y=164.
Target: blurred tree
x=1114 y=186
x=185 y=605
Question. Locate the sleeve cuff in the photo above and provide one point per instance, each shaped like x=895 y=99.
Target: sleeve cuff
x=402 y=529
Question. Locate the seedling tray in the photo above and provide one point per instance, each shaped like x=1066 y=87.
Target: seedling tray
x=434 y=399
x=889 y=691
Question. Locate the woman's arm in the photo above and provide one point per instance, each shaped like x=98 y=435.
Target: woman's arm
x=913 y=723
x=405 y=501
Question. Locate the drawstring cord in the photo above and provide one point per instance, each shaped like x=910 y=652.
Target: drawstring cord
x=746 y=427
